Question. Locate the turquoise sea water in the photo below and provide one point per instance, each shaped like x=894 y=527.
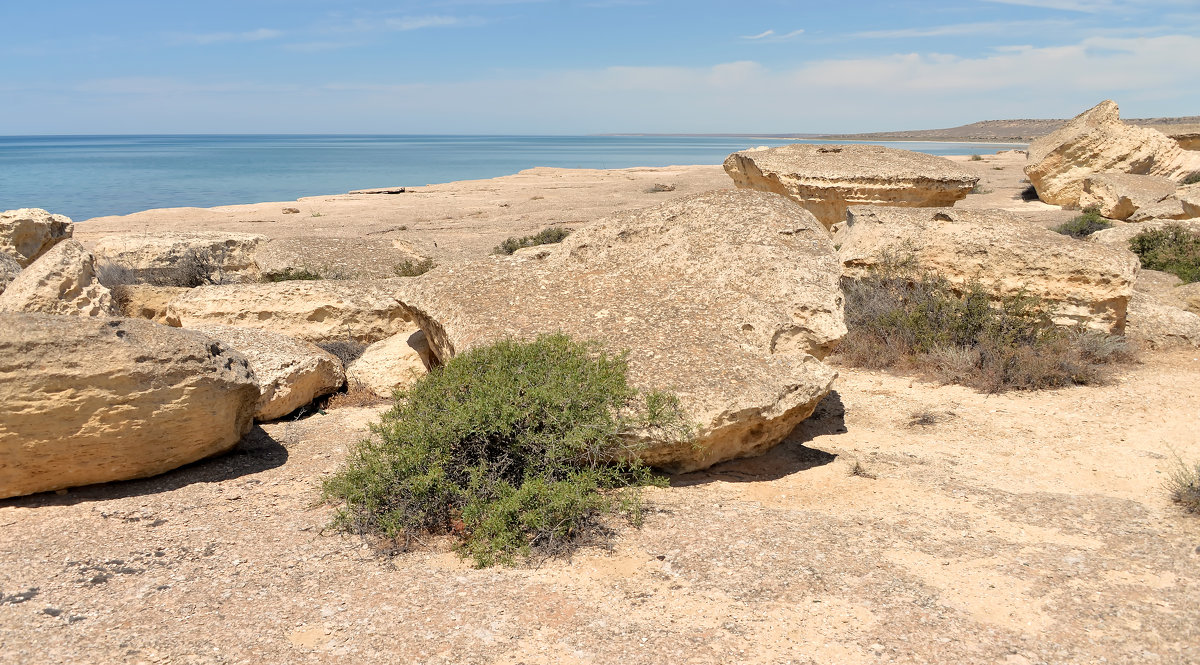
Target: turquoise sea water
x=91 y=176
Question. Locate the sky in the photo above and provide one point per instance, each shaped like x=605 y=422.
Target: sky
x=549 y=67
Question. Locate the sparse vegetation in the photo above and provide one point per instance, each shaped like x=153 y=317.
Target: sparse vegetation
x=354 y=394
x=546 y=236
x=928 y=417
x=516 y=449
x=899 y=318
x=410 y=268
x=1191 y=178
x=857 y=470
x=294 y=274
x=1084 y=225
x=980 y=189
x=192 y=268
x=1029 y=194
x=1183 y=485
x=347 y=349
x=1173 y=248
x=976 y=158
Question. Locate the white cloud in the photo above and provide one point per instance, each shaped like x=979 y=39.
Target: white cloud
x=997 y=28
x=771 y=36
x=220 y=37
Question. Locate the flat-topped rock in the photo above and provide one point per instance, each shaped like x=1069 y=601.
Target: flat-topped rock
x=61 y=281
x=1157 y=324
x=316 y=311
x=1087 y=283
x=826 y=179
x=333 y=258
x=183 y=258
x=90 y=400
x=1120 y=195
x=27 y=233
x=728 y=299
x=396 y=362
x=1096 y=141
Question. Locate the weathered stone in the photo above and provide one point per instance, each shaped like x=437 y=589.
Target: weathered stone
x=1119 y=236
x=1189 y=197
x=1087 y=284
x=315 y=311
x=333 y=258
x=1189 y=295
x=826 y=179
x=143 y=301
x=728 y=299
x=1158 y=325
x=61 y=281
x=27 y=233
x=9 y=269
x=90 y=400
x=1166 y=209
x=178 y=258
x=290 y=372
x=396 y=362
x=1119 y=195
x=1161 y=286
x=1096 y=141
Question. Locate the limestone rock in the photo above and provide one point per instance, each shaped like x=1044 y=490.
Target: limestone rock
x=395 y=362
x=9 y=269
x=179 y=258
x=143 y=301
x=290 y=372
x=27 y=233
x=1158 y=325
x=728 y=299
x=1087 y=283
x=1119 y=195
x=1161 y=286
x=826 y=179
x=90 y=400
x=61 y=281
x=1119 y=236
x=315 y=311
x=333 y=258
x=1189 y=296
x=1189 y=197
x=1096 y=141
x=1168 y=208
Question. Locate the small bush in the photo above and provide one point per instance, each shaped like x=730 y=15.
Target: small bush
x=346 y=350
x=546 y=236
x=980 y=189
x=1173 y=248
x=1191 y=178
x=1084 y=225
x=294 y=274
x=899 y=319
x=1029 y=194
x=1183 y=485
x=193 y=268
x=976 y=158
x=113 y=275
x=517 y=449
x=410 y=268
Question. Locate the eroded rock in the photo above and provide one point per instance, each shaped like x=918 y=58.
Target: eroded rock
x=9 y=269
x=144 y=301
x=61 y=281
x=1120 y=195
x=90 y=400
x=1157 y=324
x=27 y=233
x=826 y=179
x=396 y=362
x=727 y=298
x=1087 y=284
x=183 y=258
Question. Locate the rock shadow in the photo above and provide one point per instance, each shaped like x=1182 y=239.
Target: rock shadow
x=256 y=452
x=792 y=455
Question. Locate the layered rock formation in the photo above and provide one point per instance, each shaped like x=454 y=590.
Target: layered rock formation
x=27 y=233
x=1096 y=141
x=1120 y=195
x=728 y=299
x=1157 y=324
x=61 y=281
x=396 y=362
x=1088 y=284
x=290 y=373
x=183 y=258
x=315 y=311
x=144 y=301
x=89 y=400
x=826 y=179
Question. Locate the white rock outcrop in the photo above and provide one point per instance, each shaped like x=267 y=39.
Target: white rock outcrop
x=27 y=233
x=183 y=258
x=1120 y=195
x=1087 y=283
x=290 y=373
x=396 y=362
x=91 y=400
x=826 y=179
x=61 y=281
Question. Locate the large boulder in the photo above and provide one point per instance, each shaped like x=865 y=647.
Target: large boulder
x=1086 y=283
x=826 y=179
x=61 y=281
x=1096 y=141
x=27 y=233
x=183 y=258
x=396 y=362
x=9 y=269
x=315 y=311
x=290 y=373
x=1120 y=195
x=1157 y=324
x=728 y=299
x=90 y=400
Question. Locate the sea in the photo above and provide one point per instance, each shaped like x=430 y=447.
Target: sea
x=92 y=176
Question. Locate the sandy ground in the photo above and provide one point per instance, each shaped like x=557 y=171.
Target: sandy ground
x=1017 y=528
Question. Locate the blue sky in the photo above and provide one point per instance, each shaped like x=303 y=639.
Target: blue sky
x=586 y=66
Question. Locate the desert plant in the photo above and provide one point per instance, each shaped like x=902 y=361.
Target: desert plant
x=546 y=236
x=1183 y=485
x=113 y=275
x=976 y=158
x=354 y=394
x=899 y=318
x=410 y=268
x=1029 y=194
x=346 y=349
x=294 y=274
x=1173 y=248
x=1191 y=178
x=1085 y=224
x=980 y=189
x=518 y=449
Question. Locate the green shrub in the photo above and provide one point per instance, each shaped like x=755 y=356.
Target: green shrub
x=546 y=236
x=410 y=268
x=976 y=158
x=1191 y=178
x=1173 y=248
x=1183 y=485
x=1084 y=225
x=898 y=318
x=518 y=449
x=294 y=274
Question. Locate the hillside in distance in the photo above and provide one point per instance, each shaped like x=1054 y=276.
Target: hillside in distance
x=1013 y=131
